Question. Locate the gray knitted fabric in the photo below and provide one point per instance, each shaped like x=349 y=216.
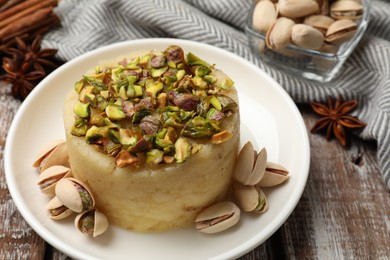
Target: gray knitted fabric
x=89 y=24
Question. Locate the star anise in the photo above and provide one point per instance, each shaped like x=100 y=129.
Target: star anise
x=22 y=81
x=33 y=55
x=27 y=65
x=335 y=118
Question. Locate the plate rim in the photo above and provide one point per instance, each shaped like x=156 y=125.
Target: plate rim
x=235 y=252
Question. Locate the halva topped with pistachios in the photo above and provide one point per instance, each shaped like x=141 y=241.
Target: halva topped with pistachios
x=152 y=143
x=147 y=108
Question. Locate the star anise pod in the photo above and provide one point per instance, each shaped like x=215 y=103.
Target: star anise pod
x=27 y=65
x=335 y=118
x=40 y=59
x=22 y=81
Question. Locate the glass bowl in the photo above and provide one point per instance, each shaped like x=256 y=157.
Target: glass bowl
x=305 y=63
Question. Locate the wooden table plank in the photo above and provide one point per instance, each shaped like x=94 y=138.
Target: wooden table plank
x=345 y=208
x=17 y=239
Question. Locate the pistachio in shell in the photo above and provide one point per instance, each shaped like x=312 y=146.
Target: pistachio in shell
x=341 y=31
x=264 y=15
x=74 y=194
x=346 y=9
x=46 y=150
x=320 y=22
x=48 y=179
x=275 y=174
x=218 y=217
x=250 y=198
x=297 y=8
x=57 y=210
x=250 y=165
x=57 y=156
x=305 y=36
x=92 y=223
x=279 y=34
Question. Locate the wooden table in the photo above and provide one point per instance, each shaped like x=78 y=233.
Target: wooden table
x=344 y=212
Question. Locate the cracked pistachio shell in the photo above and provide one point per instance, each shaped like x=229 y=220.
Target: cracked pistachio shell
x=341 y=31
x=297 y=8
x=218 y=217
x=58 y=156
x=57 y=210
x=74 y=194
x=92 y=223
x=275 y=174
x=279 y=34
x=250 y=198
x=305 y=36
x=346 y=9
x=48 y=179
x=264 y=15
x=46 y=150
x=320 y=22
x=250 y=165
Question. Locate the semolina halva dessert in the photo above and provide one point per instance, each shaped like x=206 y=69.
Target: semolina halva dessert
x=155 y=138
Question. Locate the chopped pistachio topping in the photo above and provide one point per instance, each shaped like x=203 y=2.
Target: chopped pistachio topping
x=160 y=105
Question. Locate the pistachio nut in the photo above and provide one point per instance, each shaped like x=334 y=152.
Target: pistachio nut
x=48 y=179
x=250 y=198
x=264 y=15
x=217 y=217
x=46 y=150
x=340 y=31
x=275 y=174
x=305 y=36
x=57 y=156
x=57 y=210
x=74 y=194
x=250 y=165
x=346 y=9
x=297 y=8
x=320 y=22
x=279 y=34
x=92 y=223
x=324 y=7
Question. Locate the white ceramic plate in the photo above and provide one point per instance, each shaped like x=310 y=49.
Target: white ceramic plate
x=269 y=118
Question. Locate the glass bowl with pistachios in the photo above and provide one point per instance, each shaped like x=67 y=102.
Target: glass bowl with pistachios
x=307 y=38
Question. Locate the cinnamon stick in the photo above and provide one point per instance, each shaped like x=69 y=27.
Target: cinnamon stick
x=5 y=4
x=33 y=30
x=18 y=11
x=25 y=21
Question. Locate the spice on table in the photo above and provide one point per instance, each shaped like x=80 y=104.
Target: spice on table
x=33 y=55
x=335 y=118
x=28 y=65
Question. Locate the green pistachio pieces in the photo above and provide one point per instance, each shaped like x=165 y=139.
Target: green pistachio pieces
x=79 y=127
x=182 y=150
x=94 y=133
x=153 y=88
x=154 y=156
x=153 y=108
x=192 y=59
x=114 y=112
x=82 y=110
x=199 y=127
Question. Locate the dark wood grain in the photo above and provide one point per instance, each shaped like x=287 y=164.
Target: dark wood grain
x=345 y=208
x=343 y=213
